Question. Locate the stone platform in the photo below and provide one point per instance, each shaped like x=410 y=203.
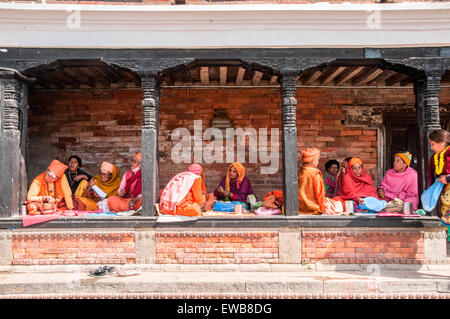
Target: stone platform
x=229 y=282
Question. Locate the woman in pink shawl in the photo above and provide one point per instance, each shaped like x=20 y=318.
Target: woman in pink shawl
x=183 y=194
x=129 y=194
x=400 y=182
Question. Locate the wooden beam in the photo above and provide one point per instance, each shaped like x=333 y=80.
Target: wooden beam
x=380 y=79
x=273 y=80
x=396 y=78
x=204 y=75
x=223 y=75
x=314 y=77
x=112 y=74
x=73 y=74
x=332 y=75
x=240 y=76
x=348 y=75
x=367 y=76
x=256 y=77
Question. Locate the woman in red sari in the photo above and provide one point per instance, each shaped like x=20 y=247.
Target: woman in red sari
x=355 y=183
x=129 y=193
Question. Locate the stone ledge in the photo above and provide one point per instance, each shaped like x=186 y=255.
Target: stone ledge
x=190 y=296
x=367 y=269
x=138 y=222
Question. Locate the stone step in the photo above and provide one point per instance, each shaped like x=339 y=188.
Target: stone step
x=376 y=283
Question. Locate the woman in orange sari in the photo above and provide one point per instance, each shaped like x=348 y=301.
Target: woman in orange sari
x=108 y=180
x=183 y=194
x=50 y=189
x=311 y=187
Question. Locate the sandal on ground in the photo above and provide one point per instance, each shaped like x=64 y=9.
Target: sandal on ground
x=110 y=269
x=99 y=273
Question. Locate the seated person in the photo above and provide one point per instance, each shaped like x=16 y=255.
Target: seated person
x=49 y=190
x=355 y=183
x=75 y=176
x=108 y=180
x=311 y=187
x=210 y=198
x=400 y=182
x=235 y=186
x=183 y=194
x=330 y=178
x=130 y=191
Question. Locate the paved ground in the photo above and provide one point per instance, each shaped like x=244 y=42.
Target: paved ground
x=229 y=281
x=286 y=281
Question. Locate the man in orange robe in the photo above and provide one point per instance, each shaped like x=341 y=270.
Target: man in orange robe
x=311 y=187
x=183 y=194
x=50 y=187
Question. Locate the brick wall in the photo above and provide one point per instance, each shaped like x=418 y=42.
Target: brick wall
x=217 y=247
x=221 y=246
x=362 y=247
x=42 y=248
x=106 y=125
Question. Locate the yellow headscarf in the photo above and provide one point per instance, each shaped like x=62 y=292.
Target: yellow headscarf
x=111 y=186
x=241 y=174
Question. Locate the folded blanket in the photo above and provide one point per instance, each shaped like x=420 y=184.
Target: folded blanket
x=29 y=220
x=387 y=214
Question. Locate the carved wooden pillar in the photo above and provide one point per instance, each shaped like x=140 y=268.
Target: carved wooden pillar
x=13 y=118
x=431 y=120
x=431 y=100
x=289 y=140
x=422 y=160
x=150 y=123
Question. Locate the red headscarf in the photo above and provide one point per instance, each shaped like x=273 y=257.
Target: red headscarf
x=350 y=186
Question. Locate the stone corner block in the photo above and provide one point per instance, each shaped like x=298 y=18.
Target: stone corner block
x=290 y=246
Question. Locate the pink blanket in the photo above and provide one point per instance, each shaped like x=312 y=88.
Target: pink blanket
x=403 y=186
x=29 y=220
x=397 y=215
x=175 y=191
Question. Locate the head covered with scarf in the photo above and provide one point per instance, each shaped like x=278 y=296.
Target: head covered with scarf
x=310 y=154
x=111 y=186
x=352 y=186
x=241 y=174
x=198 y=169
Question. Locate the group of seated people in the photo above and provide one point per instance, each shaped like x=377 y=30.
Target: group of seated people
x=68 y=187
x=352 y=183
x=63 y=187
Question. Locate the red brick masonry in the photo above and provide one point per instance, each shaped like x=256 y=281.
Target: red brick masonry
x=366 y=247
x=231 y=247
x=50 y=248
x=220 y=247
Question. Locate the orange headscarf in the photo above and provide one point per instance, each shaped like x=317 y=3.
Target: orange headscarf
x=241 y=174
x=57 y=168
x=139 y=156
x=310 y=154
x=354 y=161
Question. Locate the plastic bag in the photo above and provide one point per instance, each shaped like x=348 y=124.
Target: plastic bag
x=430 y=196
x=220 y=206
x=265 y=211
x=372 y=204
